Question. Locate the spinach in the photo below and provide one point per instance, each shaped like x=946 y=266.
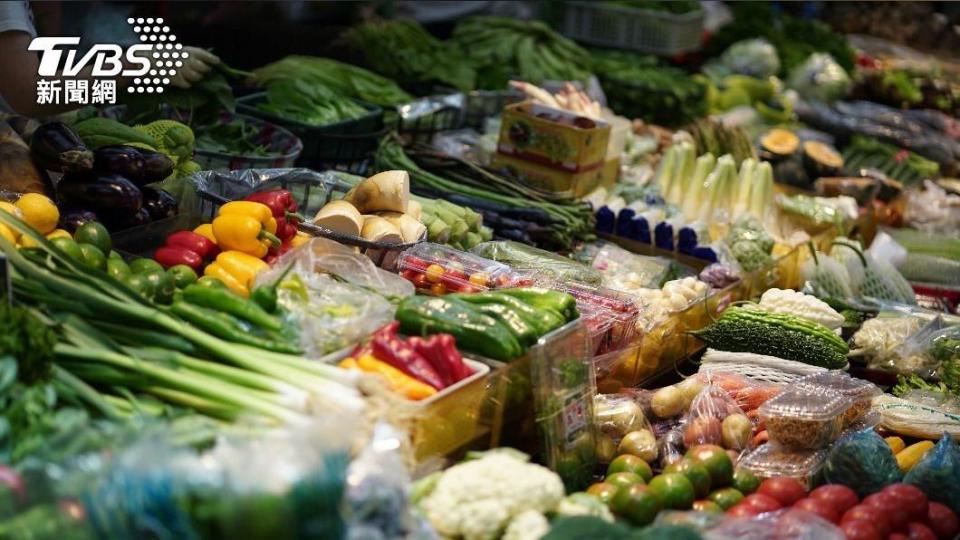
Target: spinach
x=306 y=103
x=235 y=137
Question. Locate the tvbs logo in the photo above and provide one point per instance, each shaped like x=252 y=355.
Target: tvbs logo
x=104 y=58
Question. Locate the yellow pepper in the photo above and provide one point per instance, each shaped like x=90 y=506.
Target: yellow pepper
x=216 y=271
x=258 y=211
x=15 y=212
x=237 y=232
x=399 y=381
x=299 y=239
x=242 y=266
x=896 y=444
x=206 y=231
x=7 y=234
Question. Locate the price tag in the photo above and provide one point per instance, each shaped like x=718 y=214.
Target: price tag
x=574 y=418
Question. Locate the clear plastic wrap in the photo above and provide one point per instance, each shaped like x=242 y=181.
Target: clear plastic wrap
x=860 y=392
x=626 y=271
x=708 y=421
x=790 y=523
x=523 y=257
x=771 y=461
x=805 y=420
x=878 y=338
x=618 y=414
x=610 y=316
x=863 y=461
x=336 y=295
x=439 y=269
x=920 y=353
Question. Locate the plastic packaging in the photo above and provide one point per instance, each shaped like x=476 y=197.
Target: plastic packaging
x=919 y=353
x=791 y=523
x=439 y=269
x=523 y=257
x=938 y=473
x=626 y=271
x=618 y=414
x=804 y=420
x=704 y=422
x=610 y=316
x=859 y=391
x=770 y=461
x=862 y=461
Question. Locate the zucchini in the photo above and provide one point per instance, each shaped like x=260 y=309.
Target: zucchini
x=737 y=334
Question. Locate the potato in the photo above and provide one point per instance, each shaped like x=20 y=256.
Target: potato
x=641 y=443
x=667 y=402
x=690 y=387
x=736 y=431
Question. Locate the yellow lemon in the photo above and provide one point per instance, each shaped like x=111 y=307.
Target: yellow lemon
x=39 y=211
x=7 y=234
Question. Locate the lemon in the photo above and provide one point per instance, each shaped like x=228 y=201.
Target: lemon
x=39 y=211
x=11 y=209
x=7 y=234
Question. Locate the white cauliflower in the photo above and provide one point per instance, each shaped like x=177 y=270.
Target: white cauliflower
x=477 y=499
x=527 y=525
x=584 y=504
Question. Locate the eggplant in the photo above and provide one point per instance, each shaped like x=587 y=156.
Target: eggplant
x=119 y=223
x=71 y=219
x=119 y=159
x=110 y=195
x=156 y=166
x=158 y=203
x=55 y=147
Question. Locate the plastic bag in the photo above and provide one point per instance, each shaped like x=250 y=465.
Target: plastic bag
x=938 y=473
x=626 y=271
x=819 y=78
x=917 y=353
x=618 y=414
x=862 y=461
x=753 y=57
x=715 y=418
x=551 y=265
x=791 y=523
x=878 y=338
x=826 y=277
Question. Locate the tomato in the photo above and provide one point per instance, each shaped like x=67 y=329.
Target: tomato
x=632 y=464
x=745 y=481
x=896 y=515
x=434 y=272
x=763 y=503
x=697 y=474
x=674 y=491
x=726 y=497
x=910 y=498
x=919 y=531
x=860 y=529
x=820 y=508
x=637 y=504
x=785 y=490
x=838 y=496
x=717 y=462
x=870 y=514
x=898 y=536
x=709 y=507
x=624 y=479
x=603 y=491
x=743 y=511
x=943 y=521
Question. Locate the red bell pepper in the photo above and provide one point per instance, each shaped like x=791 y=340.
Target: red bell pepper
x=189 y=240
x=283 y=207
x=169 y=256
x=402 y=356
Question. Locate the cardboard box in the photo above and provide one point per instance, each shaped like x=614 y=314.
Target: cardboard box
x=575 y=184
x=553 y=138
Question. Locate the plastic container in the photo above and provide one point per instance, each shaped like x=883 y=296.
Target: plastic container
x=770 y=461
x=483 y=104
x=643 y=30
x=421 y=119
x=860 y=392
x=805 y=419
x=343 y=145
x=610 y=316
x=438 y=269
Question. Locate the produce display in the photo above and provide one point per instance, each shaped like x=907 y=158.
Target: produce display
x=711 y=296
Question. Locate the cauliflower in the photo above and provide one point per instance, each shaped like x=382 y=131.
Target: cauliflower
x=802 y=305
x=584 y=504
x=477 y=499
x=528 y=525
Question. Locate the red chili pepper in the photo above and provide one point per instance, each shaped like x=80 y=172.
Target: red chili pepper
x=447 y=345
x=199 y=244
x=428 y=350
x=402 y=356
x=169 y=256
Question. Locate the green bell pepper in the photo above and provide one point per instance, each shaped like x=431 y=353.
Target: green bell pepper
x=474 y=331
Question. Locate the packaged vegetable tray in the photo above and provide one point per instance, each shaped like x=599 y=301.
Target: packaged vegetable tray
x=771 y=461
x=860 y=392
x=439 y=269
x=805 y=419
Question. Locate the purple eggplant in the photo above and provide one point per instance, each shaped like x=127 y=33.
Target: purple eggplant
x=156 y=166
x=159 y=203
x=71 y=219
x=123 y=160
x=109 y=195
x=55 y=147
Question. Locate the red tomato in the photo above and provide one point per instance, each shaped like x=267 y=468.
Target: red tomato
x=943 y=521
x=860 y=529
x=838 y=496
x=870 y=514
x=741 y=510
x=896 y=514
x=910 y=498
x=763 y=503
x=898 y=536
x=785 y=490
x=919 y=531
x=820 y=508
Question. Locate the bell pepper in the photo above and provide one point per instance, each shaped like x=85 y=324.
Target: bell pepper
x=236 y=232
x=473 y=331
x=169 y=256
x=218 y=272
x=299 y=239
x=206 y=231
x=7 y=234
x=256 y=210
x=542 y=320
x=561 y=302
x=398 y=380
x=401 y=355
x=193 y=241
x=241 y=266
x=283 y=207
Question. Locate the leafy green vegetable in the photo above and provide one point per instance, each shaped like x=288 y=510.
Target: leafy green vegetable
x=201 y=103
x=316 y=105
x=344 y=79
x=673 y=6
x=235 y=137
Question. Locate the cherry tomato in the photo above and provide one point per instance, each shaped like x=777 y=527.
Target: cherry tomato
x=860 y=529
x=820 y=508
x=898 y=536
x=785 y=490
x=409 y=274
x=896 y=515
x=420 y=282
x=741 y=510
x=910 y=498
x=838 y=496
x=480 y=279
x=438 y=289
x=434 y=272
x=943 y=521
x=870 y=514
x=919 y=531
x=763 y=503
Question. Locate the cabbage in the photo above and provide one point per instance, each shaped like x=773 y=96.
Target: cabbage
x=753 y=57
x=820 y=78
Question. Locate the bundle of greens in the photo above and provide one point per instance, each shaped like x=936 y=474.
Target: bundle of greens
x=299 y=101
x=501 y=49
x=344 y=79
x=712 y=136
x=405 y=52
x=198 y=105
x=234 y=137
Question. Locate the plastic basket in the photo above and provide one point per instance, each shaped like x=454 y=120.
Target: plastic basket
x=343 y=146
x=270 y=135
x=421 y=119
x=311 y=192
x=482 y=104
x=656 y=32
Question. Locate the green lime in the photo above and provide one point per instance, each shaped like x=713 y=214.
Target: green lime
x=95 y=234
x=117 y=268
x=208 y=281
x=630 y=463
x=182 y=275
x=93 y=257
x=674 y=491
x=726 y=498
x=698 y=475
x=69 y=246
x=140 y=284
x=163 y=286
x=144 y=265
x=745 y=481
